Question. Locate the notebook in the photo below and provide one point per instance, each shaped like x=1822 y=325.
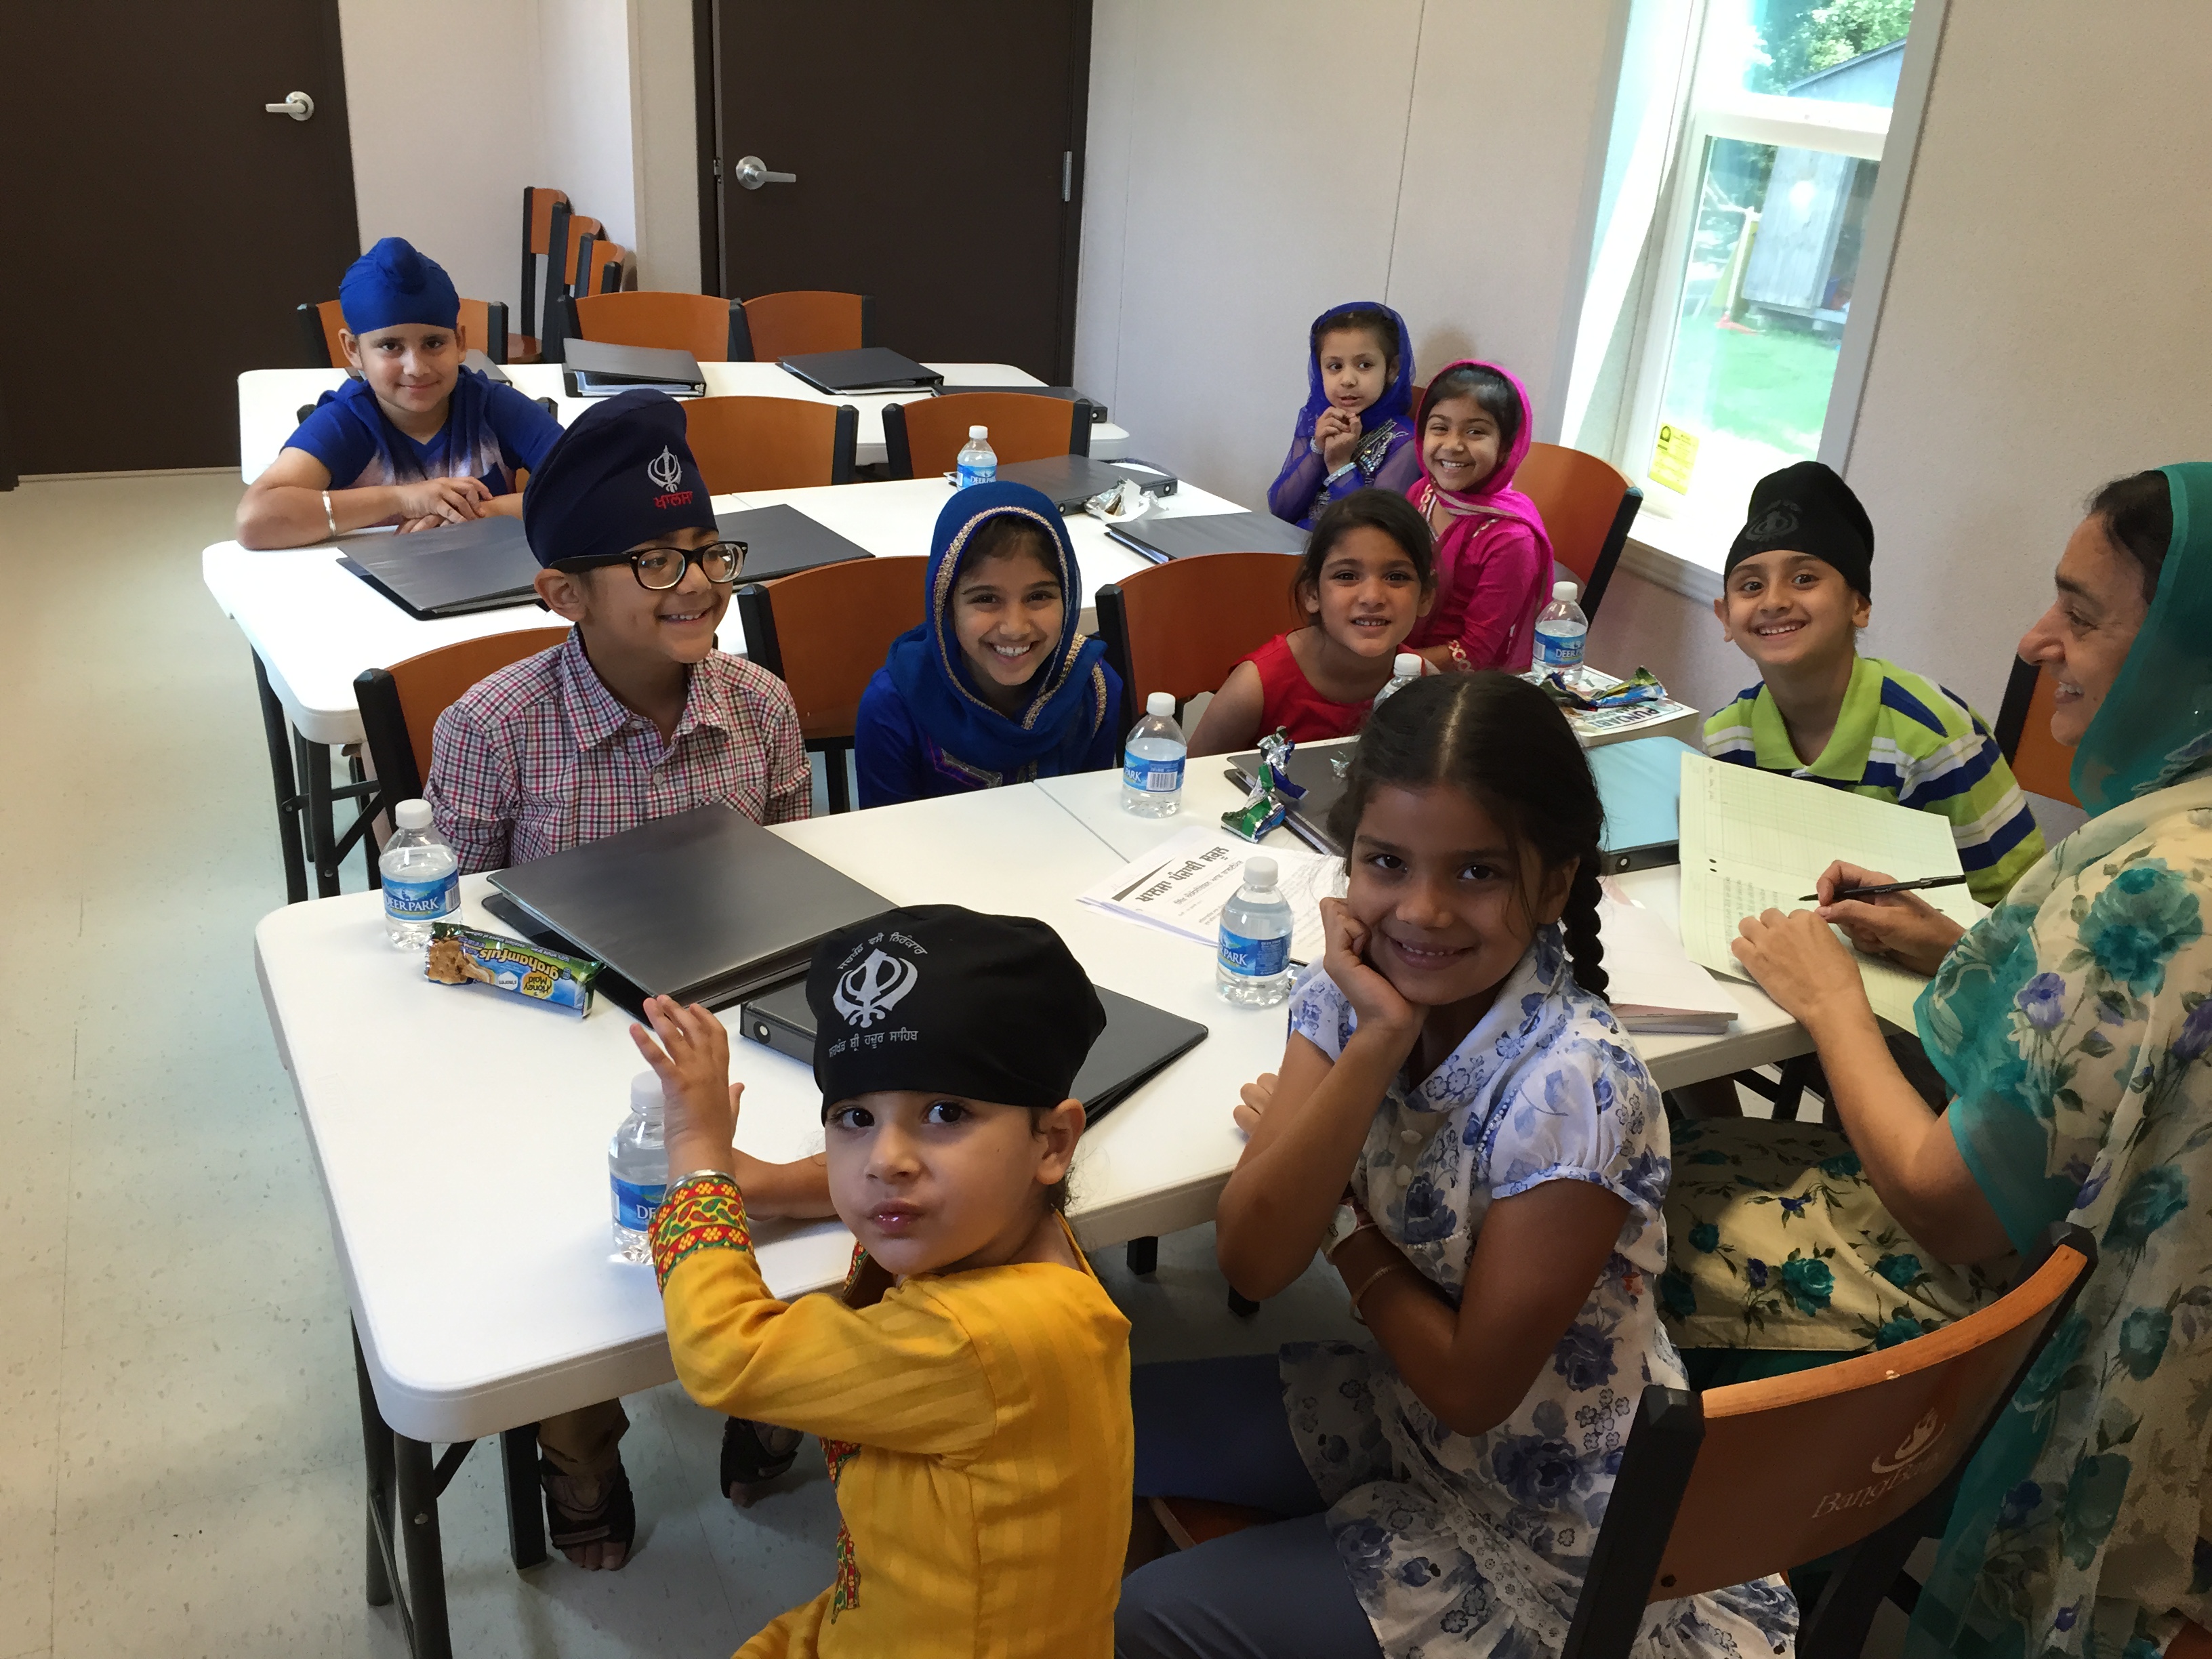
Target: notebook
x=705 y=906
x=482 y=565
x=1072 y=480
x=1068 y=392
x=871 y=368
x=483 y=365
x=1138 y=1043
x=780 y=540
x=596 y=369
x=1652 y=984
x=1186 y=538
x=1639 y=783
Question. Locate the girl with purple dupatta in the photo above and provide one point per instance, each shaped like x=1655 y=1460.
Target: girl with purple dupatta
x=1355 y=431
x=1493 y=555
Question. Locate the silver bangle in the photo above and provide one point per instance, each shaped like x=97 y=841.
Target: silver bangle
x=701 y=1175
x=329 y=516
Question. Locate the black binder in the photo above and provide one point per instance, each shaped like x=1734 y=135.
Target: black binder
x=871 y=368
x=593 y=368
x=1072 y=480
x=780 y=540
x=1194 y=535
x=482 y=565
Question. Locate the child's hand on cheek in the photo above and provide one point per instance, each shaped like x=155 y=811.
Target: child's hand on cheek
x=1373 y=997
x=700 y=1102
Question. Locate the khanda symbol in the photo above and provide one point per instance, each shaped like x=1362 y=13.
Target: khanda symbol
x=665 y=470
x=871 y=990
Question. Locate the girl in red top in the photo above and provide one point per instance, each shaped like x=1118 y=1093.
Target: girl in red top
x=1368 y=575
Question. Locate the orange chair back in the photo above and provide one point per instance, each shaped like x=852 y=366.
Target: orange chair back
x=430 y=684
x=2040 y=764
x=1189 y=622
x=1580 y=496
x=805 y=319
x=474 y=332
x=1023 y=427
x=603 y=265
x=538 y=232
x=833 y=626
x=761 y=443
x=696 y=323
x=580 y=226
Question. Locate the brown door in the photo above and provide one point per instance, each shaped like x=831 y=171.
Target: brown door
x=939 y=153
x=165 y=223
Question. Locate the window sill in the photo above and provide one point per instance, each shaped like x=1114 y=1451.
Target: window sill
x=1675 y=554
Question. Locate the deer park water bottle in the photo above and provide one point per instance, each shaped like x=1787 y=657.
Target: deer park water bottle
x=978 y=462
x=1254 y=967
x=420 y=878
x=1561 y=631
x=1151 y=760
x=637 y=1169
x=1404 y=670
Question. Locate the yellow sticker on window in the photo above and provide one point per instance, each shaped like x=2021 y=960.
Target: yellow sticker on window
x=1674 y=458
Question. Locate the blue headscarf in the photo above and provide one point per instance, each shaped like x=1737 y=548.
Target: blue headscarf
x=391 y=284
x=1065 y=703
x=1396 y=403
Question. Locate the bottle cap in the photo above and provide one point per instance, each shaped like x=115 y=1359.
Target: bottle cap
x=412 y=815
x=645 y=1094
x=979 y=431
x=1259 y=870
x=1566 y=591
x=1161 y=703
x=1406 y=667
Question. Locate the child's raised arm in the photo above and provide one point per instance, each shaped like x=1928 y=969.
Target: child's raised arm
x=1232 y=720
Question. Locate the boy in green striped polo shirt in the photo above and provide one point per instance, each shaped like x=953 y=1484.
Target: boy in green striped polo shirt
x=1794 y=596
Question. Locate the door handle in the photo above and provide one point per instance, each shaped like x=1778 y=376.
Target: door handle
x=752 y=174
x=297 y=104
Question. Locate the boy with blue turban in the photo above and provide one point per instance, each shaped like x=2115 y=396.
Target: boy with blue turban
x=418 y=440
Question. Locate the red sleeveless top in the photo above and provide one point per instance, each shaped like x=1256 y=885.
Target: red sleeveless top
x=1288 y=700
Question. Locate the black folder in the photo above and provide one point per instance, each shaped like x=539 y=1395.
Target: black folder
x=871 y=368
x=1066 y=393
x=595 y=368
x=1192 y=536
x=704 y=906
x=1072 y=480
x=780 y=540
x=482 y=565
x=1138 y=1043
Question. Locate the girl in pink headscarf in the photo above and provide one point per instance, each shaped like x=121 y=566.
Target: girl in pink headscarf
x=1493 y=556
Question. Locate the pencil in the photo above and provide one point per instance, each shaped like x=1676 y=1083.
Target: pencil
x=1843 y=893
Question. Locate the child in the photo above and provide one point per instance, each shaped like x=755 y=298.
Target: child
x=998 y=686
x=1453 y=1059
x=1795 y=592
x=1493 y=556
x=635 y=716
x=1368 y=574
x=417 y=440
x=972 y=1386
x=1355 y=430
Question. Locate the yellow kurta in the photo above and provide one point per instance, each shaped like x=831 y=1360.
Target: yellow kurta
x=977 y=1429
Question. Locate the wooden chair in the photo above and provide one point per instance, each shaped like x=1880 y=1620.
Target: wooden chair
x=1588 y=506
x=538 y=201
x=569 y=230
x=482 y=328
x=770 y=443
x=825 y=632
x=1181 y=626
x=400 y=705
x=701 y=324
x=922 y=436
x=769 y=326
x=602 y=267
x=2040 y=764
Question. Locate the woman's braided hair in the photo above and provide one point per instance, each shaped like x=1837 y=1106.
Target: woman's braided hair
x=1506 y=745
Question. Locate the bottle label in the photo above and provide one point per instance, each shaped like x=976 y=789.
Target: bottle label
x=1154 y=777
x=1255 y=958
x=1560 y=650
x=969 y=473
x=634 y=1205
x=423 y=900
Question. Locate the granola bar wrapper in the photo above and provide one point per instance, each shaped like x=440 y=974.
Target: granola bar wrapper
x=469 y=956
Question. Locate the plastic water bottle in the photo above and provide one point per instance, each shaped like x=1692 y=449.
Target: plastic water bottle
x=1404 y=670
x=421 y=876
x=637 y=1169
x=1562 y=630
x=1152 y=762
x=978 y=462
x=1253 y=968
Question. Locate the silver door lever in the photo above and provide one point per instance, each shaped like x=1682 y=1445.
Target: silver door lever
x=752 y=174
x=297 y=104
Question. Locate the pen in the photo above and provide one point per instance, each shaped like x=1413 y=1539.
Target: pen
x=1843 y=893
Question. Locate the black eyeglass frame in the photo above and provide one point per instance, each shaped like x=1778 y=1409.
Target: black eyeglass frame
x=735 y=552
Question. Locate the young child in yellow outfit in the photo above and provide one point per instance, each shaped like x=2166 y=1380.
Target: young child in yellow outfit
x=972 y=1386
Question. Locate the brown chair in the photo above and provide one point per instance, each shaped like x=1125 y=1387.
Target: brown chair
x=482 y=328
x=2040 y=764
x=569 y=231
x=1181 y=626
x=400 y=705
x=770 y=443
x=769 y=326
x=1588 y=506
x=923 y=436
x=602 y=267
x=700 y=324
x=539 y=203
x=825 y=632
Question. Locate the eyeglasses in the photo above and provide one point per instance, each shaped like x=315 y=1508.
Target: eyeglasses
x=659 y=568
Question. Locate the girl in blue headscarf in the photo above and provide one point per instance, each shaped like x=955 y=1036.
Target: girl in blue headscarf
x=1356 y=430
x=997 y=685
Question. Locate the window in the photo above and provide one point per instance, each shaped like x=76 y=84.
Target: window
x=1724 y=340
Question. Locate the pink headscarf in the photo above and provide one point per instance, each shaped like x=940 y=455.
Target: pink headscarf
x=1497 y=499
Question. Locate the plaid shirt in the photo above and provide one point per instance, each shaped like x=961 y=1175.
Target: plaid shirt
x=539 y=757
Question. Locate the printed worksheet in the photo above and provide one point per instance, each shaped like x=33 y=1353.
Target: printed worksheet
x=1180 y=886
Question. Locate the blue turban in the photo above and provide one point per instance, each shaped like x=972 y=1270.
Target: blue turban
x=621 y=475
x=392 y=283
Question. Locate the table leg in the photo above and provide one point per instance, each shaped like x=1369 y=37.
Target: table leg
x=525 y=1506
x=425 y=1551
x=376 y=1448
x=278 y=732
x=312 y=761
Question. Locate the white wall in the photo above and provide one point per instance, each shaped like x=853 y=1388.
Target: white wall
x=663 y=125
x=584 y=142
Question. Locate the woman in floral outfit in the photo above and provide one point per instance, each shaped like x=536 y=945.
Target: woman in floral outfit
x=2070 y=1027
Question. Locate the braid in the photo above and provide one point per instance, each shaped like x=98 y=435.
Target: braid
x=1585 y=949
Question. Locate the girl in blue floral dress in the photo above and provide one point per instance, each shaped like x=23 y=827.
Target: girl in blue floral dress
x=1452 y=1072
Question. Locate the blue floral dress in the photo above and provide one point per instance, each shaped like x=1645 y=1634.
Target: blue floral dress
x=1477 y=1545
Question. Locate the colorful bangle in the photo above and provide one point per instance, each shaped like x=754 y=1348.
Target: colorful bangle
x=1368 y=1284
x=1459 y=657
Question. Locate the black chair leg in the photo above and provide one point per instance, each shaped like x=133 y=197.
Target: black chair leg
x=1242 y=1306
x=840 y=784
x=1144 y=1255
